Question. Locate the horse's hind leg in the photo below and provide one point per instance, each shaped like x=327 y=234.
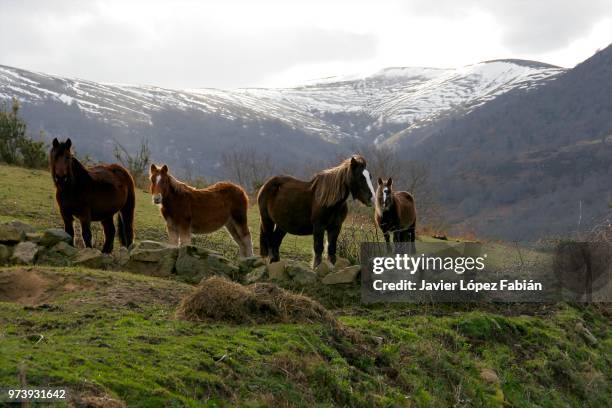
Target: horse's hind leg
x=242 y=237
x=125 y=221
x=241 y=233
x=266 y=231
x=276 y=240
x=109 y=235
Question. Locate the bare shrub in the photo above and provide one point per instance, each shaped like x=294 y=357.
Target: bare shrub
x=248 y=167
x=137 y=164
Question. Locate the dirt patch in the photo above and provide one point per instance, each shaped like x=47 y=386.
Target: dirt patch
x=39 y=286
x=24 y=286
x=218 y=299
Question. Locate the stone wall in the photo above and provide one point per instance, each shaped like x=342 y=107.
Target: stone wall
x=22 y=244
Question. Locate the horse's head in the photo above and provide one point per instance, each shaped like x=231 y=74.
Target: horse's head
x=360 y=181
x=60 y=162
x=160 y=181
x=384 y=194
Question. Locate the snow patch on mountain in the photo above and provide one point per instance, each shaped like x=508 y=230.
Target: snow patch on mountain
x=335 y=109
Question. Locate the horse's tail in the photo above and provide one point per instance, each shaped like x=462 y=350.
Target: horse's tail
x=266 y=227
x=125 y=220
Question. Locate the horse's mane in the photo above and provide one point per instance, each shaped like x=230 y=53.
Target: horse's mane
x=178 y=186
x=332 y=185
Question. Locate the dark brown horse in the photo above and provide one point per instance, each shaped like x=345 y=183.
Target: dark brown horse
x=92 y=194
x=289 y=205
x=395 y=213
x=187 y=209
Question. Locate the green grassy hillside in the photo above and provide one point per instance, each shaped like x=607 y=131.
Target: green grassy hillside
x=112 y=337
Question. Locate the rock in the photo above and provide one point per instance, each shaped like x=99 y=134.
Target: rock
x=345 y=275
x=121 y=256
x=22 y=226
x=25 y=252
x=5 y=253
x=276 y=271
x=341 y=263
x=65 y=249
x=34 y=237
x=219 y=265
x=48 y=257
x=11 y=234
x=249 y=263
x=195 y=263
x=258 y=274
x=60 y=254
x=324 y=268
x=152 y=258
x=586 y=334
x=301 y=273
x=146 y=244
x=52 y=236
x=89 y=258
x=489 y=376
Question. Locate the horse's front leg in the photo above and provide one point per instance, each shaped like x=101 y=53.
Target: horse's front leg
x=185 y=235
x=318 y=235
x=109 y=235
x=333 y=231
x=173 y=233
x=86 y=231
x=68 y=224
x=387 y=236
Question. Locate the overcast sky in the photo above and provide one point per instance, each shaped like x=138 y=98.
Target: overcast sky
x=232 y=43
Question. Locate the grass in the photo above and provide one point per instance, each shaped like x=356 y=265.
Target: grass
x=117 y=336
x=114 y=334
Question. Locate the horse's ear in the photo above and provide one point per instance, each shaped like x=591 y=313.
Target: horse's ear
x=380 y=182
x=68 y=144
x=353 y=161
x=389 y=182
x=55 y=143
x=164 y=169
x=153 y=168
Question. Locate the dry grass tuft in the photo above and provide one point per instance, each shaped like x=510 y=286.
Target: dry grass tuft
x=219 y=299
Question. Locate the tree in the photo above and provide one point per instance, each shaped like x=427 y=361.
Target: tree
x=15 y=146
x=137 y=164
x=248 y=168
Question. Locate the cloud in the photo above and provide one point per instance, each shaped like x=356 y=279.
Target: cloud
x=527 y=26
x=180 y=51
x=235 y=43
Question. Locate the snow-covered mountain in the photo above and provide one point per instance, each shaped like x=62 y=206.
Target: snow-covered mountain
x=318 y=120
x=402 y=96
x=334 y=109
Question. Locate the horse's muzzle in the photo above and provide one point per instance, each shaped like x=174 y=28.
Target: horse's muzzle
x=157 y=199
x=61 y=180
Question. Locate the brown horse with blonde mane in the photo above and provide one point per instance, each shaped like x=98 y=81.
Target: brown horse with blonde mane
x=395 y=214
x=94 y=193
x=289 y=205
x=189 y=210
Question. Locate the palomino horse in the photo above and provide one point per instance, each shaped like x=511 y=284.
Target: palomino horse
x=395 y=213
x=187 y=209
x=92 y=194
x=289 y=205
